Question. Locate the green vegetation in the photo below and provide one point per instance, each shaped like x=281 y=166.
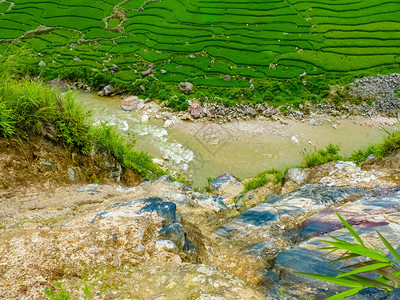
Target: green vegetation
x=330 y=153
x=270 y=42
x=322 y=156
x=373 y=260
x=31 y=108
x=62 y=294
x=272 y=175
x=390 y=144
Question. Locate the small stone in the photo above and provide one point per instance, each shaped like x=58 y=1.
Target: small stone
x=71 y=174
x=42 y=63
x=77 y=59
x=144 y=118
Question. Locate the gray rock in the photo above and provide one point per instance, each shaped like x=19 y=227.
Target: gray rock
x=166 y=245
x=226 y=185
x=77 y=59
x=60 y=84
x=195 y=110
x=176 y=197
x=132 y=103
x=42 y=63
x=186 y=87
x=369 y=294
x=309 y=198
x=175 y=233
x=106 y=91
x=227 y=77
x=148 y=71
x=252 y=87
x=71 y=174
x=296 y=174
x=214 y=203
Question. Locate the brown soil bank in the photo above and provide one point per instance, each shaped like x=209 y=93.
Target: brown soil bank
x=42 y=163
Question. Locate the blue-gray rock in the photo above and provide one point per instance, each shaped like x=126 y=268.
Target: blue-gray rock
x=165 y=210
x=176 y=197
x=370 y=293
x=296 y=174
x=309 y=257
x=309 y=198
x=214 y=203
x=175 y=233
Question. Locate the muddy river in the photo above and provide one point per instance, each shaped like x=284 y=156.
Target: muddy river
x=201 y=150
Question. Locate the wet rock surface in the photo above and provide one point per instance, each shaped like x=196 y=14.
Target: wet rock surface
x=177 y=243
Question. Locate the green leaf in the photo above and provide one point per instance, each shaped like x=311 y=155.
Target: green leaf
x=389 y=276
x=366 y=282
x=367 y=268
x=361 y=264
x=332 y=279
x=359 y=249
x=350 y=229
x=345 y=294
x=392 y=251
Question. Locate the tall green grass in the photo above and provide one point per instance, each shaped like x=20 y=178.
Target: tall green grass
x=30 y=108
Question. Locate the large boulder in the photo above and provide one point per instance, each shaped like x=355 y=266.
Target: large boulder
x=226 y=185
x=132 y=103
x=106 y=91
x=186 y=87
x=195 y=110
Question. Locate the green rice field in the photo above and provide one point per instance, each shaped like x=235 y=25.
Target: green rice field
x=203 y=40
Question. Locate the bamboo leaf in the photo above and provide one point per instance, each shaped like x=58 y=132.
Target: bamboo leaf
x=367 y=282
x=363 y=269
x=332 y=279
x=392 y=251
x=350 y=229
x=361 y=264
x=389 y=276
x=342 y=295
x=361 y=250
x=345 y=256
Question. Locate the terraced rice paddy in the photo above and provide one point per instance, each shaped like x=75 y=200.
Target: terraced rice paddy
x=203 y=40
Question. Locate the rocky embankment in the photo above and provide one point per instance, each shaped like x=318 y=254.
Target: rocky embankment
x=164 y=240
x=367 y=96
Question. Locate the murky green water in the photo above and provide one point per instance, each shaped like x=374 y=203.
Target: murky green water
x=203 y=154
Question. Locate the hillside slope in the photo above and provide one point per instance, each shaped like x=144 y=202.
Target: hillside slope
x=201 y=41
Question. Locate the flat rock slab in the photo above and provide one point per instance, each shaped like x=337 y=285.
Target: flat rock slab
x=308 y=257
x=378 y=212
x=163 y=209
x=309 y=198
x=380 y=208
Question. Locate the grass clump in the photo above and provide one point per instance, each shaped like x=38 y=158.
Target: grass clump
x=322 y=156
x=273 y=175
x=31 y=108
x=122 y=149
x=390 y=144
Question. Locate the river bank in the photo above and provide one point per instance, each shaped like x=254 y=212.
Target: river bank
x=200 y=148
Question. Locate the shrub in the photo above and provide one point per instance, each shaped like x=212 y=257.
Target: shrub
x=390 y=144
x=122 y=149
x=322 y=156
x=262 y=179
